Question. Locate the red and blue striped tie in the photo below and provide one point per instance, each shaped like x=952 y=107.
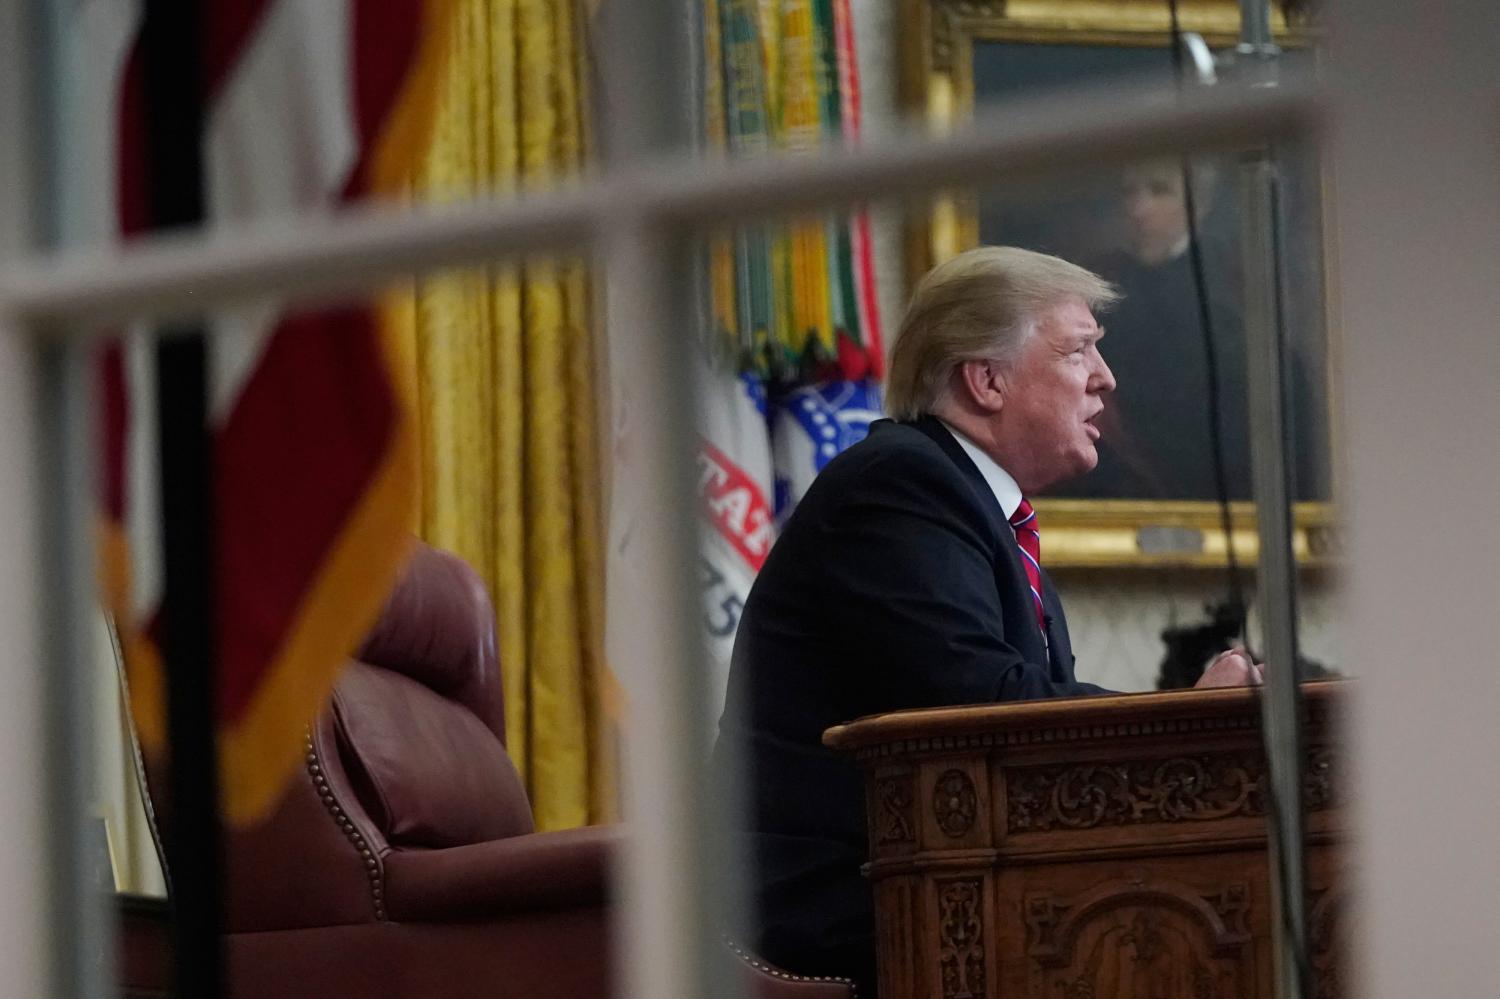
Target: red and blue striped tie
x=1023 y=521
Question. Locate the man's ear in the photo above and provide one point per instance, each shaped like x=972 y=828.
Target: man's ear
x=982 y=384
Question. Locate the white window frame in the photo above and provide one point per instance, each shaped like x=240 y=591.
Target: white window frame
x=621 y=214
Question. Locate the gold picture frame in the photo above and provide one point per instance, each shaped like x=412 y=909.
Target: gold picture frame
x=937 y=82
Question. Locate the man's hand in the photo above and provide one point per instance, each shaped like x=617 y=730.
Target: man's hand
x=1233 y=668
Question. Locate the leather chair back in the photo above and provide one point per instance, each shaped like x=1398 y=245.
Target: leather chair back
x=408 y=755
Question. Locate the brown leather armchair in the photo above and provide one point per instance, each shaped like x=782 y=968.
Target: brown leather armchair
x=402 y=860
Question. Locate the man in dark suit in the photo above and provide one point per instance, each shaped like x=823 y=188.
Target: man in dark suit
x=909 y=577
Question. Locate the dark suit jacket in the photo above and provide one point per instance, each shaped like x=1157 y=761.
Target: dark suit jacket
x=896 y=583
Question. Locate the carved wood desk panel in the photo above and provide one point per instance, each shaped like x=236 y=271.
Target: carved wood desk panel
x=1098 y=848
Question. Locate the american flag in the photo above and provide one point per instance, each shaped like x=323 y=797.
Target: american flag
x=307 y=105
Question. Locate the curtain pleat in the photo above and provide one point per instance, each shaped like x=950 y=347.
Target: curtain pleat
x=506 y=386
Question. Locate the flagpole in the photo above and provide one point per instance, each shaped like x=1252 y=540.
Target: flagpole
x=170 y=46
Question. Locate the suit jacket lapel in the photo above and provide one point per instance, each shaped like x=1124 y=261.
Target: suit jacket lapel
x=1059 y=646
x=933 y=428
x=1009 y=571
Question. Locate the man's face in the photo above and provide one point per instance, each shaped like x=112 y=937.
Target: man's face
x=1155 y=211
x=1051 y=399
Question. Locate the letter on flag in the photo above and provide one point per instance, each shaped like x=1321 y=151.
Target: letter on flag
x=734 y=495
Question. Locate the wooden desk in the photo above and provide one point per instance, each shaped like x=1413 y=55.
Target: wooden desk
x=1098 y=848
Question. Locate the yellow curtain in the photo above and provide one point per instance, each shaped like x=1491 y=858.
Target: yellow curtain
x=504 y=377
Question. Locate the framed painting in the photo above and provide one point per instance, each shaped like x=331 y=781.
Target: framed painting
x=1153 y=500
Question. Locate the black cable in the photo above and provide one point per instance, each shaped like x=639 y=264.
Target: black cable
x=1236 y=598
x=1275 y=807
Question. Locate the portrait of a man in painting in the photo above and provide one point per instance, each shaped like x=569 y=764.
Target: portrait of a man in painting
x=1176 y=432
x=1177 y=347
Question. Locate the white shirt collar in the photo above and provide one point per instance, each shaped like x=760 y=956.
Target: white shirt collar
x=1007 y=493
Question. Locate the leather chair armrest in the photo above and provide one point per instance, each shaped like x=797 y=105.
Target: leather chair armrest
x=551 y=870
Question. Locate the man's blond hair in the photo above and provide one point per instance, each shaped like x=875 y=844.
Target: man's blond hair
x=982 y=304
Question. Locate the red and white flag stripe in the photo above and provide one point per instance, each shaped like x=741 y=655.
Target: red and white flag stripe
x=308 y=104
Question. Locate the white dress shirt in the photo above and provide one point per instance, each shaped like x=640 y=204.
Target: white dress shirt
x=1001 y=484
